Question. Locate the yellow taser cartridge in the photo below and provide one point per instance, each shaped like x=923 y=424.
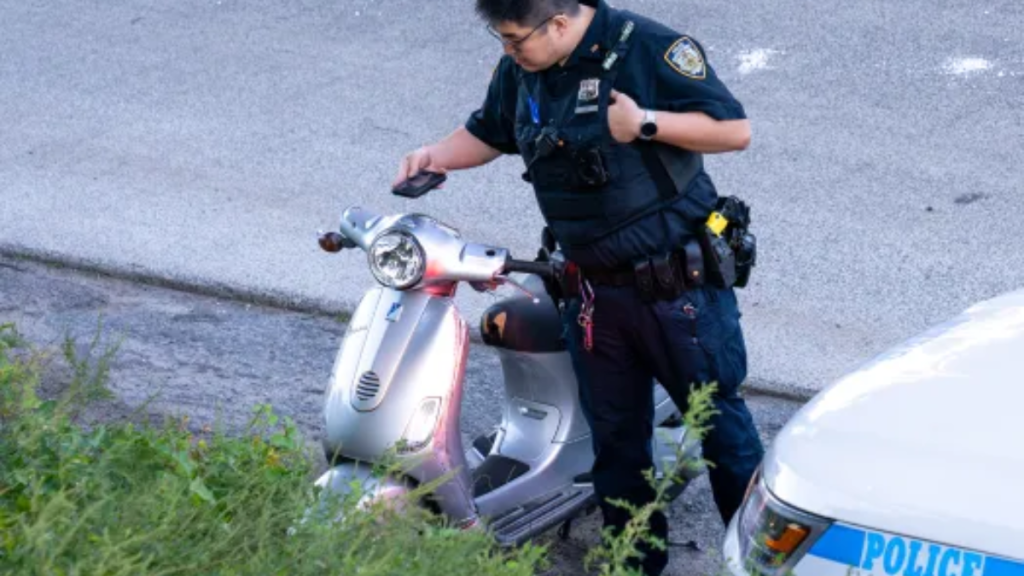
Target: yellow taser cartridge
x=717 y=223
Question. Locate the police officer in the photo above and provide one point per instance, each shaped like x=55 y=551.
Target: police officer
x=611 y=113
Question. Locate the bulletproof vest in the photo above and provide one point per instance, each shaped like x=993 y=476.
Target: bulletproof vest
x=587 y=184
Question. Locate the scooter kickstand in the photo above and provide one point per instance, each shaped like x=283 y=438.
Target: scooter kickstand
x=564 y=529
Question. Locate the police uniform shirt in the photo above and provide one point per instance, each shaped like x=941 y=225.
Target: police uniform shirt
x=663 y=70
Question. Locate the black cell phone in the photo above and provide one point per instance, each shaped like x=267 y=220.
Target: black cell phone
x=423 y=182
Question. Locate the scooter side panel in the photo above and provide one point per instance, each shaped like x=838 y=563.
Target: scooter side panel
x=529 y=429
x=549 y=379
x=543 y=378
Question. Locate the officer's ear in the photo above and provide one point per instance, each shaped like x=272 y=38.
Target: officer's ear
x=559 y=25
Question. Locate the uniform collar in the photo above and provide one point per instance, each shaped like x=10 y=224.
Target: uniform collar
x=596 y=35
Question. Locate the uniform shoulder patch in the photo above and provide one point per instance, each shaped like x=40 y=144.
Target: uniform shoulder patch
x=686 y=58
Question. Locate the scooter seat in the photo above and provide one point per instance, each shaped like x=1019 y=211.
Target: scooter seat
x=519 y=324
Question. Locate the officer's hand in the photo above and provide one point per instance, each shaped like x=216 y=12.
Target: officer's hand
x=624 y=118
x=413 y=162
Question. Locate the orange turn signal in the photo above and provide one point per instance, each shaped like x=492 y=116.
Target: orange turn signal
x=788 y=541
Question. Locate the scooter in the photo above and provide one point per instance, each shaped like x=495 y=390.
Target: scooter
x=396 y=386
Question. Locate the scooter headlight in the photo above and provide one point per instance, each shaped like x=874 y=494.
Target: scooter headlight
x=397 y=260
x=773 y=537
x=421 y=426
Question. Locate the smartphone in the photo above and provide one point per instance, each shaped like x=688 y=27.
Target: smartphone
x=423 y=182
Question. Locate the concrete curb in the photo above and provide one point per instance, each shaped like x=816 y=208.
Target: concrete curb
x=195 y=285
x=284 y=301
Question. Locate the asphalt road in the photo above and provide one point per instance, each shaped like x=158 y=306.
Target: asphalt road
x=213 y=360
x=205 y=142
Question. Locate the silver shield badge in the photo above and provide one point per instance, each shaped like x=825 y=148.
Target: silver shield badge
x=589 y=91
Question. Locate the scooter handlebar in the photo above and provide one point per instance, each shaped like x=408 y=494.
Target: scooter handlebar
x=542 y=269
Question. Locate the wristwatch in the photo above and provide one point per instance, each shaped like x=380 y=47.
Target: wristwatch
x=648 y=127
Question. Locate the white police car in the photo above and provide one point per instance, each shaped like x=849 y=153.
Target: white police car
x=912 y=465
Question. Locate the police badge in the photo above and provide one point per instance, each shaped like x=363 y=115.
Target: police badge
x=590 y=89
x=685 y=57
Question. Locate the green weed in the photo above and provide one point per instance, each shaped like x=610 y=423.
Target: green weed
x=130 y=498
x=124 y=498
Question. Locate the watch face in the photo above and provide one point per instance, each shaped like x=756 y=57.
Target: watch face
x=648 y=129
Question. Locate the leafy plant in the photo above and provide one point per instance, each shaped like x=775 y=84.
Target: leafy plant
x=124 y=498
x=619 y=549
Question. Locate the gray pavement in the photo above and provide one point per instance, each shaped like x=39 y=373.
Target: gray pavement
x=213 y=360
x=203 y=143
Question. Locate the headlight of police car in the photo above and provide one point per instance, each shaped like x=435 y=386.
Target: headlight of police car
x=397 y=259
x=773 y=537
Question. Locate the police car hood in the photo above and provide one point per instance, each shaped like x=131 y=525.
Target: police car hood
x=926 y=440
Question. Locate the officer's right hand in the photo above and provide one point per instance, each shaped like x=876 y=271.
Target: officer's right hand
x=413 y=162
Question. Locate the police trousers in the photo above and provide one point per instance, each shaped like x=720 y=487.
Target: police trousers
x=691 y=340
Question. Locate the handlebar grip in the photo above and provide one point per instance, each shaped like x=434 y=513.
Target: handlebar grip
x=542 y=269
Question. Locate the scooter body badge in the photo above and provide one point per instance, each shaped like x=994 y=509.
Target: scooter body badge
x=394 y=313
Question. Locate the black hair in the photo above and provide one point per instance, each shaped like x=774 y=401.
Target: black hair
x=524 y=12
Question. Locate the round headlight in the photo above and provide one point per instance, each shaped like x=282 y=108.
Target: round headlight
x=397 y=260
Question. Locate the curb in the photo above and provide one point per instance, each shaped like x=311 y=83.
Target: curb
x=286 y=301
x=149 y=277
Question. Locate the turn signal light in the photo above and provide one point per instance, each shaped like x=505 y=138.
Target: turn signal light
x=792 y=536
x=331 y=241
x=774 y=536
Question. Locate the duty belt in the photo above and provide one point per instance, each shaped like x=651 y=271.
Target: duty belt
x=666 y=274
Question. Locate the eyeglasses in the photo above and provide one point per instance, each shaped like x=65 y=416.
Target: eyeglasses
x=515 y=43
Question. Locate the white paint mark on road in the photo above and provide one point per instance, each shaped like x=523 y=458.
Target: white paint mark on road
x=964 y=66
x=755 y=60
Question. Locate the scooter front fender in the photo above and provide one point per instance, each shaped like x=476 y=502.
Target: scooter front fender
x=345 y=478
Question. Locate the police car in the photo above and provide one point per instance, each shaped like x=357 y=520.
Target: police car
x=913 y=465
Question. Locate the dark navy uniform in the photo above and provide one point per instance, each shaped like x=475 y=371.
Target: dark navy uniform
x=625 y=206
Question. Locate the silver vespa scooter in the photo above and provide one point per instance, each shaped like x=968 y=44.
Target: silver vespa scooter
x=397 y=383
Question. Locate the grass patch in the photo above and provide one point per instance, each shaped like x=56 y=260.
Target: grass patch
x=125 y=498
x=140 y=498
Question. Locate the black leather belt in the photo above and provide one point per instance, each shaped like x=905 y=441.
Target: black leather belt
x=686 y=268
x=625 y=276
x=610 y=276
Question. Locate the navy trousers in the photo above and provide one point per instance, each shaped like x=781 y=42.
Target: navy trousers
x=692 y=340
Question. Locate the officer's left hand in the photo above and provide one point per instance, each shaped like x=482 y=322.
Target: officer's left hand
x=624 y=118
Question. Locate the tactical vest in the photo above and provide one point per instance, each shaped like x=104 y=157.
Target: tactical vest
x=566 y=168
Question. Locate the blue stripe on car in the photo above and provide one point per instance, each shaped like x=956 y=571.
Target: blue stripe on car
x=840 y=544
x=898 y=555
x=1000 y=567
